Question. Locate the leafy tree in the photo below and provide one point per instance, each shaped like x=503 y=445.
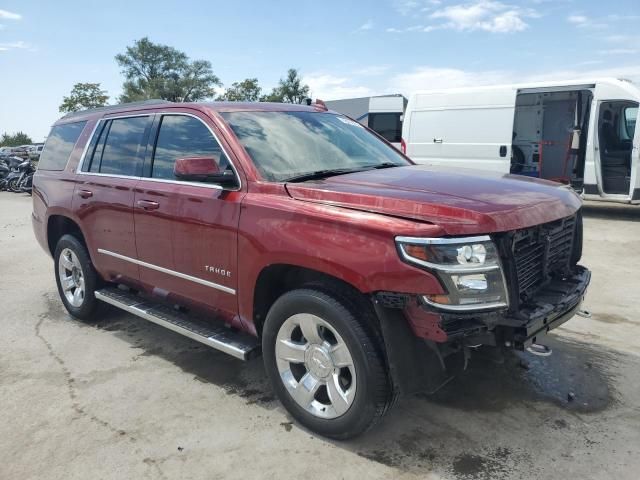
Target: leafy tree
x=15 y=140
x=289 y=90
x=246 y=91
x=83 y=96
x=274 y=96
x=153 y=70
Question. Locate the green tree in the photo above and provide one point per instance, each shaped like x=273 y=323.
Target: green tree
x=83 y=96
x=289 y=90
x=246 y=91
x=152 y=70
x=15 y=140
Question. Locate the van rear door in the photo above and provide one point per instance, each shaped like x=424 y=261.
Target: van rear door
x=464 y=128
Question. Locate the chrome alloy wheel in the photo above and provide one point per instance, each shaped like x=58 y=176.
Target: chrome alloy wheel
x=315 y=366
x=71 y=277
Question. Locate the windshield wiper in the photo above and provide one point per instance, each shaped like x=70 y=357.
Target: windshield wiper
x=321 y=174
x=384 y=165
x=337 y=171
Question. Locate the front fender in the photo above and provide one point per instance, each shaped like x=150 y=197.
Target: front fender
x=355 y=247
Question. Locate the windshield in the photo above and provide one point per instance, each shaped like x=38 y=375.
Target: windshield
x=284 y=145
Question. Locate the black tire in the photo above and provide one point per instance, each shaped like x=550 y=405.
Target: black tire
x=373 y=394
x=92 y=281
x=13 y=185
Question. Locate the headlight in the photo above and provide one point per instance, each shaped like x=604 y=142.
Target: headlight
x=469 y=268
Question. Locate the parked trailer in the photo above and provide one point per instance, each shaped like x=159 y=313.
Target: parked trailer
x=576 y=132
x=382 y=114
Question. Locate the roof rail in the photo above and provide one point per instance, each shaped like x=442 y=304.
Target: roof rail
x=119 y=106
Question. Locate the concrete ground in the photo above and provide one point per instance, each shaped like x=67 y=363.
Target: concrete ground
x=125 y=399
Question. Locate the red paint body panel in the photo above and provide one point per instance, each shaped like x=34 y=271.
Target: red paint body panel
x=461 y=203
x=343 y=226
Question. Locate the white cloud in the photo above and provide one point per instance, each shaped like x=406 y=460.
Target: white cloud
x=616 y=17
x=619 y=51
x=6 y=15
x=577 y=19
x=330 y=87
x=583 y=21
x=368 y=25
x=432 y=78
x=626 y=39
x=372 y=70
x=426 y=78
x=485 y=15
x=13 y=45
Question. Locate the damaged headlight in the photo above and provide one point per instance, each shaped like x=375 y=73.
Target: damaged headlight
x=469 y=269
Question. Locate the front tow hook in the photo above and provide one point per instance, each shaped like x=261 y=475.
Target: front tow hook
x=539 y=350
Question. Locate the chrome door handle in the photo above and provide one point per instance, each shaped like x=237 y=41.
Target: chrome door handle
x=437 y=140
x=85 y=193
x=148 y=204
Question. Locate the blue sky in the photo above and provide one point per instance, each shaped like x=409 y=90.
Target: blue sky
x=342 y=48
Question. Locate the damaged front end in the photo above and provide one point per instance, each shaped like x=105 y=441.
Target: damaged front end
x=506 y=290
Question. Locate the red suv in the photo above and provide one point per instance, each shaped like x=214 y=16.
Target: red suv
x=295 y=232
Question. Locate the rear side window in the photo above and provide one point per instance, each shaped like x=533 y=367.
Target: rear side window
x=388 y=125
x=118 y=147
x=181 y=136
x=59 y=146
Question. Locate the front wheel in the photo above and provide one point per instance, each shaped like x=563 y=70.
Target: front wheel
x=325 y=364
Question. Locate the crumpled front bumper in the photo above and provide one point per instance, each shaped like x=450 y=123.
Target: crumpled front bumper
x=554 y=304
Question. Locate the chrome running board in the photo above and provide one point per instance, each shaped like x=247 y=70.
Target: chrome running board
x=237 y=344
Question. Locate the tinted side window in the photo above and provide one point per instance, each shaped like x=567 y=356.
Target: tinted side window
x=180 y=137
x=124 y=147
x=59 y=146
x=386 y=124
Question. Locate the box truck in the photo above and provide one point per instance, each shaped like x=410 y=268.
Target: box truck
x=579 y=132
x=382 y=114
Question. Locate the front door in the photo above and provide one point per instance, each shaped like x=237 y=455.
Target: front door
x=104 y=193
x=186 y=232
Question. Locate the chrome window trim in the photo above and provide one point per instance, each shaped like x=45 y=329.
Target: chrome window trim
x=184 y=276
x=161 y=180
x=90 y=139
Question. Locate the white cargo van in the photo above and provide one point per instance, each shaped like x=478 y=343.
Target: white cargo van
x=580 y=133
x=382 y=114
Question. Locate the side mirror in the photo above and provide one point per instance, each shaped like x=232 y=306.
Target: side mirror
x=202 y=169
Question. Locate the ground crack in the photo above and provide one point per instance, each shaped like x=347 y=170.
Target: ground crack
x=71 y=389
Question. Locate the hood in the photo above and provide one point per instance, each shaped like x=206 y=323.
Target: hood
x=461 y=203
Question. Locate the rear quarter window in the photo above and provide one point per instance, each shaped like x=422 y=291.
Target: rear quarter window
x=59 y=146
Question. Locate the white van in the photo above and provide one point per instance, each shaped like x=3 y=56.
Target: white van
x=382 y=114
x=580 y=133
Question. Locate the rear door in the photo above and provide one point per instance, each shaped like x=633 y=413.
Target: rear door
x=104 y=193
x=186 y=232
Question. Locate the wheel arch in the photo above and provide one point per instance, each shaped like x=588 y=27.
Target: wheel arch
x=59 y=225
x=276 y=279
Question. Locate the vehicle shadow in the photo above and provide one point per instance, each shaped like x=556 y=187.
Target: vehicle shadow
x=493 y=421
x=611 y=211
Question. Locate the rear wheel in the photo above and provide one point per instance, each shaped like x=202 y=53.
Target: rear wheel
x=76 y=278
x=324 y=364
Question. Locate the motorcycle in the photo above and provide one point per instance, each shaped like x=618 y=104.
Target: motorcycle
x=15 y=180
x=26 y=185
x=4 y=172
